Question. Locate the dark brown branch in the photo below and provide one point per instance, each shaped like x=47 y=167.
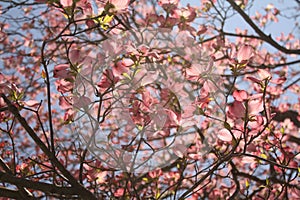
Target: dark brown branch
x=4 y=166
x=290 y=114
x=292 y=83
x=9 y=193
x=294 y=139
x=241 y=35
x=214 y=168
x=263 y=182
x=263 y=36
x=23 y=192
x=235 y=179
x=44 y=187
x=269 y=161
x=263 y=66
x=80 y=189
x=3 y=109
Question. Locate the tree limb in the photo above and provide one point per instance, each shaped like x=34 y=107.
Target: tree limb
x=290 y=114
x=44 y=187
x=23 y=192
x=264 y=37
x=80 y=189
x=9 y=193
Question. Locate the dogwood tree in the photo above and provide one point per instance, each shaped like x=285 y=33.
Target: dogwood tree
x=111 y=99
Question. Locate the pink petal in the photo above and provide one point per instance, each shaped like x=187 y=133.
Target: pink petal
x=244 y=53
x=63 y=86
x=255 y=106
x=255 y=80
x=179 y=150
x=61 y=71
x=210 y=86
x=107 y=79
x=172 y=118
x=69 y=115
x=247 y=160
x=159 y=118
x=120 y=5
x=61 y=67
x=240 y=95
x=225 y=135
x=74 y=56
x=278 y=81
x=256 y=123
x=237 y=133
x=65 y=102
x=66 y=3
x=122 y=67
x=193 y=71
x=202 y=29
x=81 y=102
x=155 y=173
x=264 y=74
x=237 y=109
x=127 y=62
x=119 y=192
x=31 y=103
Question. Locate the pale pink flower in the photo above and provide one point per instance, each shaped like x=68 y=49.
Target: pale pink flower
x=69 y=115
x=65 y=102
x=62 y=71
x=66 y=3
x=225 y=135
x=81 y=102
x=119 y=192
x=120 y=5
x=63 y=86
x=244 y=54
x=237 y=109
x=240 y=95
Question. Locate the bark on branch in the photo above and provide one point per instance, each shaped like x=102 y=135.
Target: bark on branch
x=81 y=191
x=23 y=192
x=9 y=193
x=290 y=114
x=44 y=187
x=293 y=116
x=263 y=36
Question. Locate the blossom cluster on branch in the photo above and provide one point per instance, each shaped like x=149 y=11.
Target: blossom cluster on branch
x=136 y=99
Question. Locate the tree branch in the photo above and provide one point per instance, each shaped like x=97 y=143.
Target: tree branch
x=263 y=182
x=290 y=114
x=13 y=194
x=294 y=82
x=80 y=189
x=44 y=187
x=294 y=139
x=263 y=66
x=3 y=109
x=23 y=192
x=264 y=37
